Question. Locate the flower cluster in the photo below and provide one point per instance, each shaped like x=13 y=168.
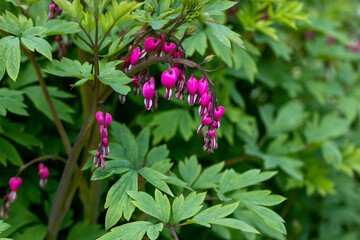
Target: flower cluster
x=103 y=148
x=174 y=79
x=44 y=174
x=54 y=10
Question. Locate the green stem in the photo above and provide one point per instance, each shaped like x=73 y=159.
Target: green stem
x=174 y=233
x=25 y=166
x=59 y=126
x=58 y=209
x=72 y=173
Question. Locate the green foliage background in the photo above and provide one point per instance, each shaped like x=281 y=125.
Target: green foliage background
x=292 y=106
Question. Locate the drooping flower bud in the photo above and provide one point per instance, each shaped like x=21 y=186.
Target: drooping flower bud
x=203 y=87
x=168 y=79
x=108 y=119
x=168 y=47
x=126 y=63
x=105 y=132
x=206 y=120
x=135 y=82
x=148 y=92
x=218 y=112
x=106 y=146
x=192 y=86
x=14 y=183
x=212 y=134
x=99 y=117
x=44 y=174
x=151 y=44
x=204 y=102
x=134 y=57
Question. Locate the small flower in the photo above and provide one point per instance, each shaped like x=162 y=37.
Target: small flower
x=148 y=92
x=218 y=112
x=204 y=102
x=203 y=87
x=168 y=47
x=192 y=86
x=206 y=120
x=14 y=183
x=103 y=147
x=44 y=174
x=135 y=82
x=168 y=79
x=151 y=44
x=134 y=57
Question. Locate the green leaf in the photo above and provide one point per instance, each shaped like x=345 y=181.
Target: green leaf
x=12 y=100
x=190 y=169
x=289 y=117
x=134 y=231
x=154 y=231
x=37 y=232
x=112 y=167
x=270 y=218
x=188 y=207
x=16 y=132
x=118 y=202
x=236 y=224
x=197 y=42
x=331 y=154
x=84 y=231
x=209 y=177
x=186 y=126
x=3 y=226
x=155 y=178
x=10 y=23
x=216 y=215
x=259 y=197
x=230 y=180
x=217 y=7
x=124 y=136
x=213 y=213
x=9 y=152
x=116 y=79
x=143 y=140
x=37 y=98
x=331 y=126
x=225 y=35
x=166 y=124
x=38 y=44
x=10 y=49
x=157 y=154
x=158 y=208
x=289 y=165
x=69 y=68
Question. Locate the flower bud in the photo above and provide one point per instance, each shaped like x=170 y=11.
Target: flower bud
x=151 y=43
x=168 y=79
x=15 y=183
x=218 y=112
x=168 y=47
x=148 y=92
x=134 y=57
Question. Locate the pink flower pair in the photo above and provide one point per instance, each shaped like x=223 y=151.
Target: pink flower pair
x=103 y=147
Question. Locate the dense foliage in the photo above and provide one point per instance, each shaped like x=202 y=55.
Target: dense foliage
x=286 y=157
